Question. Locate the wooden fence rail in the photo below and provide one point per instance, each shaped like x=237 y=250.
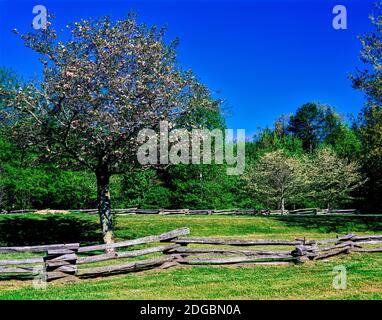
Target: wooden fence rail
x=304 y=250
x=35 y=249
x=163 y=237
x=61 y=260
x=72 y=260
x=231 y=242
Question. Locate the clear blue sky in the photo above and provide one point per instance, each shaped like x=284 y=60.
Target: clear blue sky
x=264 y=57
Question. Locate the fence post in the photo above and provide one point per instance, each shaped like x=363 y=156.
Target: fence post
x=61 y=263
x=300 y=253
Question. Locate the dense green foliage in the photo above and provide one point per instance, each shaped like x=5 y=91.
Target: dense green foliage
x=26 y=183
x=369 y=80
x=339 y=162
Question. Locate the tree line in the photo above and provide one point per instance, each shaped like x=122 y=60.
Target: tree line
x=69 y=140
x=319 y=163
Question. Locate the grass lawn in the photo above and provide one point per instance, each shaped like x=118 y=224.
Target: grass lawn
x=309 y=281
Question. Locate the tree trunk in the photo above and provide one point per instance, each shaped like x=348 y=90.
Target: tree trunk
x=282 y=205
x=282 y=200
x=104 y=207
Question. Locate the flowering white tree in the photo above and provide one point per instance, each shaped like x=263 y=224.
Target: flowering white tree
x=277 y=179
x=323 y=177
x=99 y=89
x=332 y=179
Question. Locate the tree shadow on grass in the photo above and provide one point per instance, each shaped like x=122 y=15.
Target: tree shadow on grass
x=335 y=224
x=24 y=231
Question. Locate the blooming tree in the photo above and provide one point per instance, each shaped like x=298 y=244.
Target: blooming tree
x=277 y=179
x=332 y=179
x=99 y=89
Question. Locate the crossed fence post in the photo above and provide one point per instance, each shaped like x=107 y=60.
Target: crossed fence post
x=61 y=263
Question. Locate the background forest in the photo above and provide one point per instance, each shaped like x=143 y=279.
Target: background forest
x=314 y=157
x=317 y=157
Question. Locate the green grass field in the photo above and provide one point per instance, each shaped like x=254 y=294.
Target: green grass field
x=312 y=280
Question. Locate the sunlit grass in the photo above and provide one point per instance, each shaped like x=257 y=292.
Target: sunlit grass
x=309 y=281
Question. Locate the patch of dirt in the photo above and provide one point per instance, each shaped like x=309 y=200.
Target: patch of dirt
x=48 y=211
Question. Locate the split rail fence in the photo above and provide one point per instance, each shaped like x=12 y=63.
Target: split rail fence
x=72 y=260
x=133 y=211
